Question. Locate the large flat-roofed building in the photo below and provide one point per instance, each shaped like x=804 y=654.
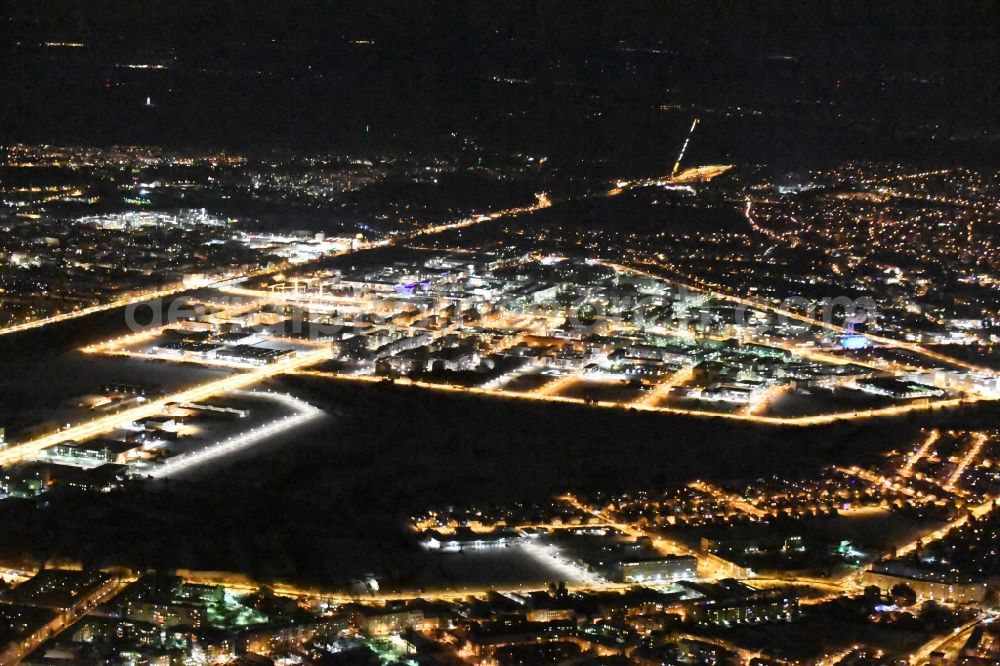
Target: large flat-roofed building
x=899 y=389
x=653 y=569
x=98 y=450
x=253 y=355
x=465 y=539
x=939 y=586
x=384 y=621
x=731 y=602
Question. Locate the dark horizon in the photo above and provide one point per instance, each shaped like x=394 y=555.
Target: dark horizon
x=833 y=83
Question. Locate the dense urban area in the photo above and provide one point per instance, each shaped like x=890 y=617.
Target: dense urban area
x=403 y=391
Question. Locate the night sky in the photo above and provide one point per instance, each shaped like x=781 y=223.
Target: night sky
x=824 y=82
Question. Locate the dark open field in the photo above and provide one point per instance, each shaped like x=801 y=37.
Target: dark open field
x=329 y=502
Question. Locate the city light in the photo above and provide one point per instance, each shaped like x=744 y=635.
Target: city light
x=303 y=414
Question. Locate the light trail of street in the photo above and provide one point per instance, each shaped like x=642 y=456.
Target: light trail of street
x=879 y=480
x=797 y=421
x=92 y=428
x=663 y=389
x=732 y=500
x=831 y=586
x=950 y=642
x=135 y=299
x=764 y=230
x=932 y=437
x=543 y=202
x=979 y=440
x=239 y=583
x=556 y=386
x=976 y=512
x=835 y=657
x=83 y=312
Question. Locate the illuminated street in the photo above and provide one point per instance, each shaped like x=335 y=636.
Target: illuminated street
x=500 y=334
